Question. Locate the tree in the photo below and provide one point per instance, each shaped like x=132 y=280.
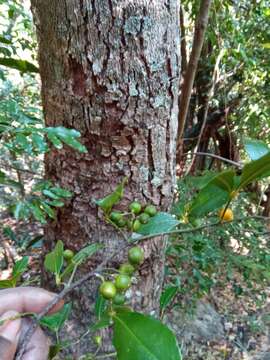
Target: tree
x=111 y=70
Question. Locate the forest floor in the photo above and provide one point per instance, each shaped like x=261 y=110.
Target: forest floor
x=230 y=327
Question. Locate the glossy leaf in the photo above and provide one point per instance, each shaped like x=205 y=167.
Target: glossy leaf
x=61 y=192
x=168 y=296
x=255 y=170
x=54 y=260
x=100 y=306
x=60 y=134
x=56 y=321
x=162 y=222
x=112 y=199
x=256 y=148
x=138 y=337
x=214 y=195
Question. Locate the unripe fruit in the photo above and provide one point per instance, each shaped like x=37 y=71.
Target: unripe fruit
x=115 y=216
x=135 y=207
x=121 y=223
x=150 y=210
x=144 y=218
x=107 y=290
x=122 y=282
x=136 y=225
x=227 y=215
x=68 y=254
x=126 y=269
x=136 y=255
x=119 y=299
x=98 y=340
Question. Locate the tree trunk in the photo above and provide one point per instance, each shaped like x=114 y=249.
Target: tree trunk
x=186 y=91
x=110 y=69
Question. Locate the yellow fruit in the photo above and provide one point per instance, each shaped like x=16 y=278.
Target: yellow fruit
x=227 y=215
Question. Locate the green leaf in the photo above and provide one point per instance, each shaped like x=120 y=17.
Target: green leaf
x=61 y=192
x=214 y=195
x=39 y=143
x=54 y=140
x=138 y=337
x=56 y=321
x=55 y=203
x=48 y=210
x=54 y=260
x=5 y=284
x=168 y=296
x=81 y=256
x=20 y=266
x=50 y=194
x=162 y=222
x=105 y=321
x=100 y=306
x=21 y=65
x=4 y=40
x=112 y=199
x=4 y=180
x=255 y=170
x=60 y=134
x=37 y=212
x=256 y=148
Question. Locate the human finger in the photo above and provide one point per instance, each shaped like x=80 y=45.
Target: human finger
x=27 y=299
x=9 y=335
x=38 y=347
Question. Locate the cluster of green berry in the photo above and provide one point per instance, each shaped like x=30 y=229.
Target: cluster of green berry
x=115 y=290
x=133 y=219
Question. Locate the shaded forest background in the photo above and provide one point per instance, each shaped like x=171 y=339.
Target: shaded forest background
x=222 y=270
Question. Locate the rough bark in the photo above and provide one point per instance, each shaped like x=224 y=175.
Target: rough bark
x=110 y=69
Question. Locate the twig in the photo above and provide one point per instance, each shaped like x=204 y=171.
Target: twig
x=209 y=96
x=219 y=157
x=30 y=331
x=67 y=290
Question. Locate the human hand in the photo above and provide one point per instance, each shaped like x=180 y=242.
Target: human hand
x=17 y=301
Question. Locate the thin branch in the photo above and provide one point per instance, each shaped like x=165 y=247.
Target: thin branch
x=220 y=158
x=209 y=96
x=30 y=331
x=199 y=33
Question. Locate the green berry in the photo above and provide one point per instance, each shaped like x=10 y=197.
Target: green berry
x=150 y=210
x=107 y=290
x=135 y=207
x=115 y=216
x=127 y=269
x=68 y=254
x=98 y=340
x=119 y=299
x=136 y=255
x=136 y=225
x=122 y=282
x=121 y=223
x=144 y=218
